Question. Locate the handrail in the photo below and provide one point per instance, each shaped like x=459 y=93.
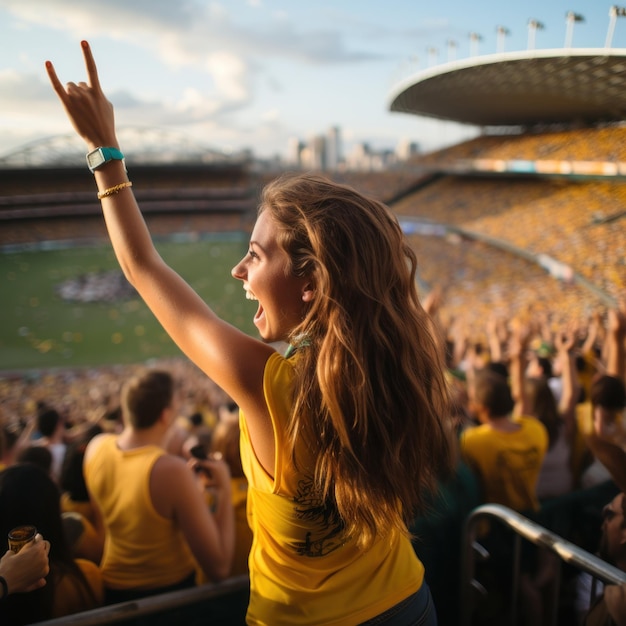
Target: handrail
x=538 y=535
x=152 y=605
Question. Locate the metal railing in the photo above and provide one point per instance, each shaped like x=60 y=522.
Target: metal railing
x=522 y=528
x=148 y=609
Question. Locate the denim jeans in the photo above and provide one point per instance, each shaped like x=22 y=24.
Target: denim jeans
x=416 y=610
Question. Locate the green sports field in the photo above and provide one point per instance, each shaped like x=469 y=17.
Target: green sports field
x=40 y=329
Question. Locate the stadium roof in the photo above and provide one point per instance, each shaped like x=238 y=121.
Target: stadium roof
x=142 y=145
x=520 y=88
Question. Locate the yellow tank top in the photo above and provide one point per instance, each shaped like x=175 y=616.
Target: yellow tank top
x=243 y=534
x=303 y=570
x=74 y=506
x=71 y=597
x=142 y=549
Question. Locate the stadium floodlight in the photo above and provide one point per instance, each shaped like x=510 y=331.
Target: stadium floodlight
x=533 y=27
x=570 y=19
x=475 y=39
x=614 y=13
x=503 y=32
x=433 y=56
x=452 y=46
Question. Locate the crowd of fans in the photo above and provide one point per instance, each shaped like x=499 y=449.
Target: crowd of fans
x=92 y=394
x=89 y=229
x=579 y=144
x=539 y=410
x=579 y=224
x=507 y=284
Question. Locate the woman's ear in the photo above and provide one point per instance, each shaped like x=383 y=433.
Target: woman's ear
x=308 y=292
x=168 y=415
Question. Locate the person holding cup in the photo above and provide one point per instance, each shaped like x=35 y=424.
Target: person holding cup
x=63 y=585
x=25 y=569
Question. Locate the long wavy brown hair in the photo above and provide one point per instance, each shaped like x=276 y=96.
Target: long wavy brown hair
x=370 y=397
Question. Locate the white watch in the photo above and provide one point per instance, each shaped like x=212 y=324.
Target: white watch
x=100 y=156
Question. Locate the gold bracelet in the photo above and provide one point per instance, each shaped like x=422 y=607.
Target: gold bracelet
x=112 y=190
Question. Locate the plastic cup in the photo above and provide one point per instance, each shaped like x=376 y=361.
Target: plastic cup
x=20 y=536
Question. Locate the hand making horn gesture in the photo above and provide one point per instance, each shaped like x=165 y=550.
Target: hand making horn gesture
x=86 y=105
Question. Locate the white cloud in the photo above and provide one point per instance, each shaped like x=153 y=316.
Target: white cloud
x=189 y=35
x=16 y=88
x=231 y=75
x=192 y=64
x=271 y=116
x=191 y=30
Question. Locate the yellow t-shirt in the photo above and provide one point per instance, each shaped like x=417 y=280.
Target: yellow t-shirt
x=507 y=463
x=303 y=570
x=142 y=549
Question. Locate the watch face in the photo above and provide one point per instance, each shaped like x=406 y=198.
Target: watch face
x=95 y=158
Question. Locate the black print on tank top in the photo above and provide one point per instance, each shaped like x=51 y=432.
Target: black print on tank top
x=328 y=529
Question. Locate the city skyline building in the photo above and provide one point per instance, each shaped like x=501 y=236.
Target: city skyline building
x=325 y=153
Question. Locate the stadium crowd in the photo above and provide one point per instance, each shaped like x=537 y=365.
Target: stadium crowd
x=580 y=224
x=569 y=144
x=89 y=229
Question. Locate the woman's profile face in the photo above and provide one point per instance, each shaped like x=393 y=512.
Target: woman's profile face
x=267 y=279
x=607 y=423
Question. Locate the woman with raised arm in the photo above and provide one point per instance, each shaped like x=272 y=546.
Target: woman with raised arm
x=341 y=436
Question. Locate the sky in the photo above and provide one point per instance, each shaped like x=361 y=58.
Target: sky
x=251 y=74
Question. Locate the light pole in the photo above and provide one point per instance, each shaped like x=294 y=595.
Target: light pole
x=475 y=39
x=452 y=50
x=570 y=19
x=433 y=55
x=533 y=27
x=503 y=32
x=614 y=13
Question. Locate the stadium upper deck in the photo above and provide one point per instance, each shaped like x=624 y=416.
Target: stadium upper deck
x=551 y=186
x=520 y=88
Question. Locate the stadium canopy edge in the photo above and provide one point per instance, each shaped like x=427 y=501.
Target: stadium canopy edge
x=533 y=87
